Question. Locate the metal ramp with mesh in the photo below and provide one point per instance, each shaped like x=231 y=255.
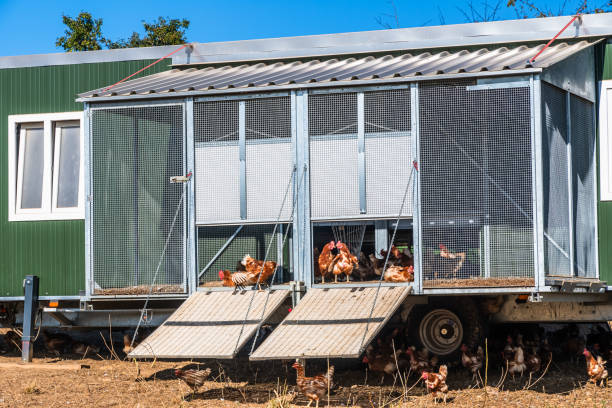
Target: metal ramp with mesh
x=210 y=325
x=332 y=323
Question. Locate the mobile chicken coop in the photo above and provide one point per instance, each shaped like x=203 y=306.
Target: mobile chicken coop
x=452 y=144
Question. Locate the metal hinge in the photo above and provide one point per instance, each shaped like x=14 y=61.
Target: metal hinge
x=535 y=298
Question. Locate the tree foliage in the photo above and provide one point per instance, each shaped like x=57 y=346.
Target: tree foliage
x=83 y=33
x=528 y=9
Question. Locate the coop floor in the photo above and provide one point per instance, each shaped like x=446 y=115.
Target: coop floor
x=114 y=383
x=141 y=290
x=479 y=283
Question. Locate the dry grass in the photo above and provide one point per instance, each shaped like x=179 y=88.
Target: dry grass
x=478 y=283
x=112 y=383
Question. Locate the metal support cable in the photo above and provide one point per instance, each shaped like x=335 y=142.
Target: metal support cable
x=280 y=213
x=161 y=258
x=382 y=274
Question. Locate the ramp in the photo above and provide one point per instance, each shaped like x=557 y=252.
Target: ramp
x=207 y=325
x=331 y=323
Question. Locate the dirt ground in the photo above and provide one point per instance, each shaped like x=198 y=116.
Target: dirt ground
x=115 y=383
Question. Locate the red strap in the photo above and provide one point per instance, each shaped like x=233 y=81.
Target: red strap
x=148 y=66
x=553 y=39
x=416 y=165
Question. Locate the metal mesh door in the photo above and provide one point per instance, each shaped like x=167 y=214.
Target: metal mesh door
x=217 y=161
x=388 y=152
x=134 y=152
x=583 y=179
x=250 y=240
x=334 y=173
x=476 y=186
x=269 y=161
x=555 y=182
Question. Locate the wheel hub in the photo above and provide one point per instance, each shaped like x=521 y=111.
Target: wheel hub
x=441 y=331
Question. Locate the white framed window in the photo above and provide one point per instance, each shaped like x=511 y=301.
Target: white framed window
x=46 y=167
x=605 y=140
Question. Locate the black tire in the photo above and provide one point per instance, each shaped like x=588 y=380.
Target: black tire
x=463 y=317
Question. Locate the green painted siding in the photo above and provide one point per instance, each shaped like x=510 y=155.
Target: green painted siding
x=605 y=207
x=53 y=250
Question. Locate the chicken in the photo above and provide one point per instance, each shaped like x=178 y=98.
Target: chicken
x=517 y=364
x=472 y=361
x=402 y=258
x=344 y=262
x=380 y=362
x=365 y=268
x=127 y=341
x=78 y=347
x=325 y=259
x=420 y=362
x=595 y=368
x=254 y=267
x=237 y=279
x=458 y=256
x=399 y=274
x=13 y=341
x=508 y=353
x=377 y=264
x=533 y=362
x=436 y=382
x=314 y=388
x=56 y=343
x=193 y=378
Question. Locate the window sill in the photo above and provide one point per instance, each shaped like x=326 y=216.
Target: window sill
x=47 y=216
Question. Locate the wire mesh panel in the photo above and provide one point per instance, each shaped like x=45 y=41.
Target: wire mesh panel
x=476 y=186
x=217 y=161
x=583 y=179
x=269 y=161
x=250 y=240
x=387 y=152
x=555 y=182
x=134 y=152
x=334 y=174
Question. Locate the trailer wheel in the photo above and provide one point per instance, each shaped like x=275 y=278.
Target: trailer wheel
x=443 y=325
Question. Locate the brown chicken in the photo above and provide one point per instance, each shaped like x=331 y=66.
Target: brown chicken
x=517 y=364
x=458 y=256
x=508 y=353
x=596 y=368
x=396 y=273
x=377 y=264
x=193 y=378
x=56 y=343
x=314 y=388
x=78 y=347
x=254 y=267
x=237 y=279
x=402 y=258
x=344 y=262
x=472 y=361
x=533 y=362
x=325 y=259
x=436 y=383
x=420 y=361
x=380 y=362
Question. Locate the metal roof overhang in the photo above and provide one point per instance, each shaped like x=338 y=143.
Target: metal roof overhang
x=337 y=72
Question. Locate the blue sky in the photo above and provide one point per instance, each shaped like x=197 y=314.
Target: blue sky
x=31 y=27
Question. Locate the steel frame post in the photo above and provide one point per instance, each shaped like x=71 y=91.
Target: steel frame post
x=570 y=189
x=361 y=165
x=190 y=228
x=242 y=142
x=537 y=180
x=30 y=307
x=302 y=225
x=417 y=232
x=89 y=281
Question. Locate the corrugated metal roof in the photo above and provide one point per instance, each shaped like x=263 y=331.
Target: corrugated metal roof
x=332 y=323
x=340 y=71
x=207 y=325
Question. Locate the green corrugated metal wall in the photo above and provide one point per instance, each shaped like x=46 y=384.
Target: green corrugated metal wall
x=605 y=207
x=53 y=250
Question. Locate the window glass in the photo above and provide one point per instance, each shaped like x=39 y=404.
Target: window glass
x=33 y=167
x=69 y=167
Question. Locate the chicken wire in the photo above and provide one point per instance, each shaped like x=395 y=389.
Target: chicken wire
x=252 y=240
x=555 y=182
x=476 y=185
x=268 y=160
x=134 y=152
x=583 y=179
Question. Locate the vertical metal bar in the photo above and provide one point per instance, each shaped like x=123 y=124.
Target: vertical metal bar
x=190 y=229
x=280 y=256
x=381 y=235
x=30 y=307
x=537 y=179
x=242 y=142
x=361 y=152
x=595 y=185
x=487 y=248
x=570 y=183
x=294 y=240
x=306 y=224
x=135 y=204
x=89 y=281
x=417 y=232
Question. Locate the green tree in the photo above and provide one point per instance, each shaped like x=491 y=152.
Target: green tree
x=83 y=33
x=161 y=32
